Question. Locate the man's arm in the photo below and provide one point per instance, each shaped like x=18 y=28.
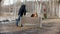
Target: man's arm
x=25 y=12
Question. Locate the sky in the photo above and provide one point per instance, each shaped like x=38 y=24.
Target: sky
x=8 y=2
x=33 y=0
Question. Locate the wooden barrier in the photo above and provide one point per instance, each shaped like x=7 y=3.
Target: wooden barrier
x=31 y=21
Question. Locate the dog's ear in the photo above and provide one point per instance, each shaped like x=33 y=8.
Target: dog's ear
x=0 y=0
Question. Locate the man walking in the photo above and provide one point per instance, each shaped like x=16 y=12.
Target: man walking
x=22 y=11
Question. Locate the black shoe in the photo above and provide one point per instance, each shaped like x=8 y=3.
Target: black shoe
x=16 y=25
x=21 y=25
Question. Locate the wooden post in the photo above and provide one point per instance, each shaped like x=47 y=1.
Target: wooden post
x=0 y=7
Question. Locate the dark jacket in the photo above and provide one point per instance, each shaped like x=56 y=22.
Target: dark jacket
x=22 y=10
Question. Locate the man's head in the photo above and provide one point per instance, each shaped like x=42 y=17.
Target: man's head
x=23 y=6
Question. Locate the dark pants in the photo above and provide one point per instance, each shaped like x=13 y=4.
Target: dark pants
x=18 y=20
x=45 y=15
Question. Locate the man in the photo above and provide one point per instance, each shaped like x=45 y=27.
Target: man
x=22 y=11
